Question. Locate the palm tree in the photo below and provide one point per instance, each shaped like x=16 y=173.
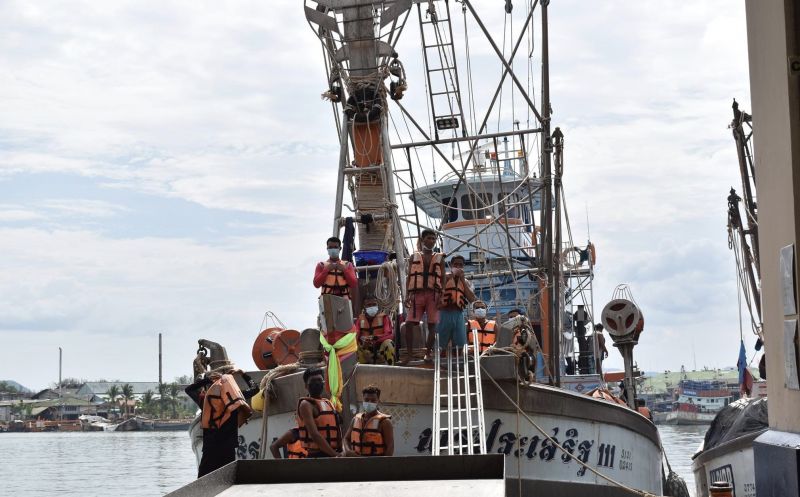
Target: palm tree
x=147 y=401
x=162 y=392
x=113 y=393
x=127 y=395
x=174 y=391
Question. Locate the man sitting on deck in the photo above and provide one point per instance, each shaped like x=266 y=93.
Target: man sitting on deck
x=317 y=420
x=375 y=345
x=371 y=432
x=457 y=293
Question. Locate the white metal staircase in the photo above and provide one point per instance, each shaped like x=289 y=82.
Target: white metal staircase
x=458 y=421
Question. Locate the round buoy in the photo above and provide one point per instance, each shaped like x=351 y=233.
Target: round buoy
x=276 y=346
x=621 y=317
x=286 y=347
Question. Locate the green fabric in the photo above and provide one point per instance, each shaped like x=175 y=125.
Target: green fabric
x=334 y=367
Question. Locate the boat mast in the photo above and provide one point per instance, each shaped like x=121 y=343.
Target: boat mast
x=550 y=230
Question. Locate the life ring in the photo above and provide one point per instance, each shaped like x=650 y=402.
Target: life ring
x=565 y=258
x=276 y=346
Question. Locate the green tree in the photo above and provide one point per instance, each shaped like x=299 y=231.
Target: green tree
x=174 y=392
x=127 y=395
x=163 y=390
x=113 y=393
x=184 y=380
x=7 y=387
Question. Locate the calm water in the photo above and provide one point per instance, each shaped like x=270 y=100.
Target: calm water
x=150 y=464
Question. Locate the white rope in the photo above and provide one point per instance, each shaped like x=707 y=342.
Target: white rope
x=386 y=288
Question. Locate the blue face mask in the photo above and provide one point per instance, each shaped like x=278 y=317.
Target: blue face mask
x=369 y=406
x=333 y=253
x=480 y=312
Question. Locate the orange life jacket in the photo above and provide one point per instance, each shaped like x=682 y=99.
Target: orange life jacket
x=222 y=399
x=295 y=450
x=644 y=411
x=335 y=282
x=367 y=440
x=327 y=425
x=454 y=292
x=486 y=336
x=370 y=326
x=422 y=278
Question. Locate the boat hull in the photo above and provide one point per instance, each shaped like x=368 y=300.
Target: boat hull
x=732 y=462
x=611 y=439
x=681 y=418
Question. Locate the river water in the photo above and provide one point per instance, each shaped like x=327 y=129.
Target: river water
x=150 y=464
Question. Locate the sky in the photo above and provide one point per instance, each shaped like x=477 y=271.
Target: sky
x=170 y=168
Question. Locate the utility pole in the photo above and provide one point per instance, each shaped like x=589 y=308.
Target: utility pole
x=60 y=385
x=160 y=378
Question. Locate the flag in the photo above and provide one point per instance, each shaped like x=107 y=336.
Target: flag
x=745 y=378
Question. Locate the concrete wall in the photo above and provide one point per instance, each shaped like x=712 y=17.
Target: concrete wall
x=772 y=38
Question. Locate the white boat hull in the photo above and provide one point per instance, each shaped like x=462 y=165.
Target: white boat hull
x=732 y=462
x=627 y=455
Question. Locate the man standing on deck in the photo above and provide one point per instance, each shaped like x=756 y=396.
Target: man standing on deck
x=579 y=320
x=335 y=276
x=317 y=420
x=224 y=410
x=601 y=348
x=424 y=284
x=457 y=294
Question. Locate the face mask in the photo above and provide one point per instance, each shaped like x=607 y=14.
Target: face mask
x=372 y=311
x=480 y=313
x=315 y=389
x=333 y=253
x=369 y=406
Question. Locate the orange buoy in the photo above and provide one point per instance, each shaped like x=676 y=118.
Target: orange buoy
x=276 y=346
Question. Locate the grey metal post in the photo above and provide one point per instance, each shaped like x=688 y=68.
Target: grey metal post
x=60 y=384
x=160 y=379
x=344 y=144
x=399 y=247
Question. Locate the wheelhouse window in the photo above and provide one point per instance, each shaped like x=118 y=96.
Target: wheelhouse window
x=469 y=202
x=449 y=214
x=505 y=199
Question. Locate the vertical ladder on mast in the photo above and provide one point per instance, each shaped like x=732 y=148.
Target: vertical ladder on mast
x=458 y=420
x=440 y=68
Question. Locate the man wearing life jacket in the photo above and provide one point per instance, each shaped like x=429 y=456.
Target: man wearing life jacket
x=317 y=420
x=375 y=345
x=291 y=442
x=371 y=432
x=336 y=276
x=457 y=294
x=579 y=319
x=643 y=409
x=485 y=328
x=424 y=285
x=224 y=410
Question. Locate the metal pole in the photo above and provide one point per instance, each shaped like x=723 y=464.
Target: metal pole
x=344 y=146
x=160 y=378
x=60 y=385
x=558 y=323
x=389 y=177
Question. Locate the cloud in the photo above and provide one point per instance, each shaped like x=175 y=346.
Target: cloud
x=173 y=169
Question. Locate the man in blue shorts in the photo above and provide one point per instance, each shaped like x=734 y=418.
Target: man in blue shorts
x=455 y=297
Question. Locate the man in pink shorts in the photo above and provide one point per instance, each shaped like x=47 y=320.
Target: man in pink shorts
x=425 y=283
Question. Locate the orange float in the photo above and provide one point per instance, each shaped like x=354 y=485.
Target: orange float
x=275 y=346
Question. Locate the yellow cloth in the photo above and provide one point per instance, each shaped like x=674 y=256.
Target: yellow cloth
x=345 y=345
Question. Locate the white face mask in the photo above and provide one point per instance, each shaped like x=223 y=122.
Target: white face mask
x=333 y=253
x=372 y=311
x=480 y=312
x=369 y=406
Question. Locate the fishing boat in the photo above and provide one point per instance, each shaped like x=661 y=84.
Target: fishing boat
x=415 y=153
x=726 y=454
x=698 y=402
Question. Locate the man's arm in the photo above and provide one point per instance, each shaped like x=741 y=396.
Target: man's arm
x=320 y=273
x=306 y=411
x=387 y=430
x=346 y=439
x=284 y=440
x=468 y=293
